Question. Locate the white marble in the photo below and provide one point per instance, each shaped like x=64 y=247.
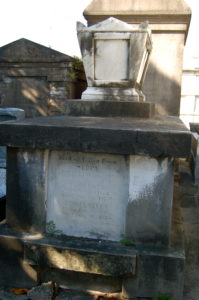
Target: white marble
x=107 y=196
x=88 y=194
x=115 y=56
x=106 y=52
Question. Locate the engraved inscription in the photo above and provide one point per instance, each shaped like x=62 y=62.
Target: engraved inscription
x=87 y=194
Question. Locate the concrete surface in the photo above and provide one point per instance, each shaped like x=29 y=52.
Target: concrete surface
x=103 y=108
x=159 y=136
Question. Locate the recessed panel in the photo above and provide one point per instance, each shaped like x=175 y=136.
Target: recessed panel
x=88 y=194
x=111 y=60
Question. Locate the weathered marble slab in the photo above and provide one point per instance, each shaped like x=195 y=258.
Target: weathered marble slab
x=88 y=194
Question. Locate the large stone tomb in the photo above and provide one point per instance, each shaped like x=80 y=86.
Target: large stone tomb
x=90 y=193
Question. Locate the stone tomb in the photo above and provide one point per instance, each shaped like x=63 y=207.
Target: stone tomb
x=38 y=79
x=83 y=186
x=103 y=193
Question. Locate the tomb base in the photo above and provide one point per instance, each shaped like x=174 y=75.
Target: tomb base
x=99 y=192
x=95 y=265
x=110 y=108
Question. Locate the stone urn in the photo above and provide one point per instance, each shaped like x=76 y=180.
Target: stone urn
x=115 y=57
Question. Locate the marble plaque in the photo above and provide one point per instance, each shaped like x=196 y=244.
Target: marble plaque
x=88 y=194
x=111 y=60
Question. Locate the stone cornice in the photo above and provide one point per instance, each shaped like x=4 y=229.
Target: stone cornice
x=176 y=18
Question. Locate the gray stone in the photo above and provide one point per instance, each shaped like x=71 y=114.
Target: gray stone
x=156 y=275
x=26 y=185
x=73 y=295
x=41 y=292
x=97 y=258
x=31 y=75
x=161 y=136
x=15 y=272
x=100 y=108
x=82 y=281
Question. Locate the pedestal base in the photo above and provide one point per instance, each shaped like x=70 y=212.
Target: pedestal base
x=109 y=108
x=93 y=177
x=113 y=93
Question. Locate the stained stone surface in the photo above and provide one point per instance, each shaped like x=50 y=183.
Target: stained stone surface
x=159 y=136
x=113 y=41
x=37 y=79
x=88 y=194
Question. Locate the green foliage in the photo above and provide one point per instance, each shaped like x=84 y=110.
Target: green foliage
x=127 y=242
x=51 y=229
x=164 y=297
x=72 y=75
x=77 y=62
x=20 y=60
x=77 y=65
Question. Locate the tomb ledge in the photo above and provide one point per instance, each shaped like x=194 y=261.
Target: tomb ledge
x=161 y=136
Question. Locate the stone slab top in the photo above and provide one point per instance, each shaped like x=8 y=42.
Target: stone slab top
x=160 y=136
x=167 y=12
x=137 y=6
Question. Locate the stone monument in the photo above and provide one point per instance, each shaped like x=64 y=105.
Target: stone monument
x=169 y=21
x=95 y=187
x=129 y=47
